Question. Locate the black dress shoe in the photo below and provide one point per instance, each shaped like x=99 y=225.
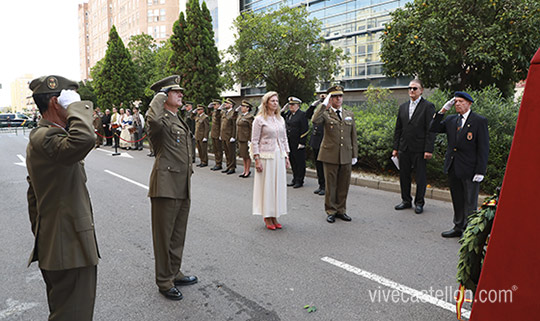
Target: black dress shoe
x=452 y=233
x=198 y=165
x=172 y=294
x=402 y=206
x=291 y=184
x=216 y=168
x=317 y=191
x=344 y=217
x=203 y=165
x=331 y=218
x=186 y=280
x=246 y=176
x=241 y=175
x=297 y=185
x=322 y=192
x=225 y=170
x=232 y=171
x=418 y=209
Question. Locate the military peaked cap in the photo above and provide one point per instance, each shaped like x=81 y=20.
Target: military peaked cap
x=464 y=95
x=51 y=84
x=172 y=82
x=199 y=106
x=230 y=101
x=294 y=100
x=246 y=103
x=335 y=90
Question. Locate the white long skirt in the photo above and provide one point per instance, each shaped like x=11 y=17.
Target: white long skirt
x=270 y=187
x=126 y=136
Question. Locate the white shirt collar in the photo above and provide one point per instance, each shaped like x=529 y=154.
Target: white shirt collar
x=465 y=116
x=415 y=102
x=335 y=109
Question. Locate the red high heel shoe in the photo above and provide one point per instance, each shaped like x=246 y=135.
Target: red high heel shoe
x=278 y=226
x=269 y=226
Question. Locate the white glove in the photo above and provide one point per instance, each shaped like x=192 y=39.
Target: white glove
x=211 y=105
x=67 y=97
x=326 y=101
x=285 y=108
x=220 y=107
x=238 y=108
x=220 y=138
x=183 y=107
x=354 y=161
x=204 y=140
x=449 y=104
x=301 y=146
x=232 y=140
x=194 y=111
x=478 y=178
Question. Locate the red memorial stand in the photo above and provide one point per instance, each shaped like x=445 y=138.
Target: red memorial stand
x=509 y=286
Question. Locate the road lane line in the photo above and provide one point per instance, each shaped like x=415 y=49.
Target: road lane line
x=111 y=152
x=23 y=160
x=421 y=296
x=126 y=179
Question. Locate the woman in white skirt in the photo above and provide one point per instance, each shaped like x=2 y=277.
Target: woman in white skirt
x=270 y=150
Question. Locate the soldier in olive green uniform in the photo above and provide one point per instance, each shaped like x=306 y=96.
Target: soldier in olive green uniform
x=202 y=128
x=189 y=118
x=243 y=135
x=228 y=134
x=58 y=200
x=339 y=151
x=217 y=144
x=170 y=183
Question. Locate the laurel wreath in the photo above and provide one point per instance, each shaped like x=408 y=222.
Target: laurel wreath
x=474 y=243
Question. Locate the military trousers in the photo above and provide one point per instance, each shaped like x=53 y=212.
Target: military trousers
x=71 y=293
x=464 y=194
x=230 y=154
x=217 y=148
x=337 y=180
x=202 y=148
x=169 y=223
x=297 y=157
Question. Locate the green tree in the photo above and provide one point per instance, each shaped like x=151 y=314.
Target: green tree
x=283 y=49
x=87 y=92
x=143 y=50
x=195 y=56
x=115 y=80
x=459 y=44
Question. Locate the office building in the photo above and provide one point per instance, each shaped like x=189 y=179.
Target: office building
x=20 y=94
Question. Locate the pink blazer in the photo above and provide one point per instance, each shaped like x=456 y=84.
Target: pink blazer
x=268 y=135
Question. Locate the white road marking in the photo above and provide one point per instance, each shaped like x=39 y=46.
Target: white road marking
x=421 y=296
x=110 y=153
x=126 y=179
x=23 y=161
x=15 y=308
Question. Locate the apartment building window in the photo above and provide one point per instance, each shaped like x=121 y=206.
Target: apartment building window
x=162 y=14
x=162 y=32
x=162 y=1
x=150 y=15
x=149 y=2
x=156 y=15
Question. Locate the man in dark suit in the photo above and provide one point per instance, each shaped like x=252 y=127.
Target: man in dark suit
x=106 y=121
x=466 y=156
x=315 y=143
x=413 y=145
x=297 y=130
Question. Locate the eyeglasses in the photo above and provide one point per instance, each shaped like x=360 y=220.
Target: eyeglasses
x=413 y=88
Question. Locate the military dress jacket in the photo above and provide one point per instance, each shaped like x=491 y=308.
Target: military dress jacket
x=317 y=133
x=171 y=140
x=215 y=132
x=339 y=144
x=468 y=149
x=202 y=126
x=243 y=127
x=58 y=200
x=297 y=128
x=228 y=124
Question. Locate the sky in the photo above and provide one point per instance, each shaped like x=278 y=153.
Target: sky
x=37 y=37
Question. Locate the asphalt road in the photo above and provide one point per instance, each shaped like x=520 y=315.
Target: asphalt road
x=367 y=269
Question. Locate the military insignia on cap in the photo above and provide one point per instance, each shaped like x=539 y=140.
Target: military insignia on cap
x=52 y=82
x=177 y=79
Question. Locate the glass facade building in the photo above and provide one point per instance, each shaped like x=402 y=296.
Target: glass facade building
x=353 y=25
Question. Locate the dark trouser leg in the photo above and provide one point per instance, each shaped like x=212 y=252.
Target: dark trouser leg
x=71 y=293
x=343 y=182
x=169 y=221
x=293 y=159
x=457 y=190
x=230 y=153
x=471 y=198
x=202 y=148
x=420 y=176
x=330 y=177
x=107 y=135
x=217 y=148
x=320 y=170
x=301 y=165
x=405 y=168
x=193 y=144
